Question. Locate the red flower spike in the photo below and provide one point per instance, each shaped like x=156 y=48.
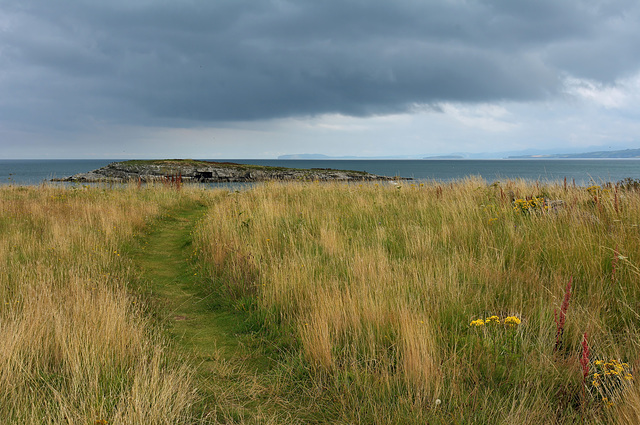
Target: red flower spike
x=563 y=313
x=584 y=360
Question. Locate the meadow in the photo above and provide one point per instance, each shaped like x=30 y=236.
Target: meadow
x=431 y=303
x=465 y=302
x=75 y=346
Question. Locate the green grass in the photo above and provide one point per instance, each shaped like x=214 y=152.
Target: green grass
x=316 y=303
x=75 y=346
x=232 y=370
x=378 y=287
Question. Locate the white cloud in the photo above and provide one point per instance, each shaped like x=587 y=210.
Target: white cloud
x=621 y=94
x=486 y=116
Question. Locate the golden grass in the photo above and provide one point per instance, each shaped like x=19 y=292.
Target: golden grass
x=379 y=285
x=74 y=346
x=376 y=286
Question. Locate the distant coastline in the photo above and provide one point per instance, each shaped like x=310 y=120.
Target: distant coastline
x=621 y=154
x=528 y=154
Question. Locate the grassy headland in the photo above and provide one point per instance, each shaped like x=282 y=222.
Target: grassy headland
x=352 y=303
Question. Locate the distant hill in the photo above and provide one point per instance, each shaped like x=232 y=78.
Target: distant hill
x=321 y=156
x=523 y=154
x=626 y=153
x=304 y=156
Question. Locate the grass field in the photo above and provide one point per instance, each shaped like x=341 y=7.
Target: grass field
x=466 y=302
x=374 y=289
x=75 y=346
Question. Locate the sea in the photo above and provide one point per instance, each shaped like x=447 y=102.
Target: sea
x=583 y=172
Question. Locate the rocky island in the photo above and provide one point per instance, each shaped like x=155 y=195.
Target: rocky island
x=189 y=170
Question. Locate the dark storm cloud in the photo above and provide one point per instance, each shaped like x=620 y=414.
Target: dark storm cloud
x=147 y=61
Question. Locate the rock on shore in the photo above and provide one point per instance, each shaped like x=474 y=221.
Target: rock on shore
x=212 y=172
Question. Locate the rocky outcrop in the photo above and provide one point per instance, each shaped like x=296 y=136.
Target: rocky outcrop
x=212 y=172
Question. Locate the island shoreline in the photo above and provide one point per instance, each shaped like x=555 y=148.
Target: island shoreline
x=194 y=171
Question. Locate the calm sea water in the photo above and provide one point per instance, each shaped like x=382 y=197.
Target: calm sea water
x=33 y=172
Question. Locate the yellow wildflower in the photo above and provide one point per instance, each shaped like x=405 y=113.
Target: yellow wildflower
x=512 y=321
x=477 y=323
x=593 y=189
x=493 y=319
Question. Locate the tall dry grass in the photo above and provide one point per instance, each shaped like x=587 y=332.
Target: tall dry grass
x=74 y=346
x=379 y=285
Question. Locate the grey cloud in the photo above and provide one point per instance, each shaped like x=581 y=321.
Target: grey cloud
x=164 y=61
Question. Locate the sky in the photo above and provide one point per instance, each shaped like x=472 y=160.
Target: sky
x=263 y=78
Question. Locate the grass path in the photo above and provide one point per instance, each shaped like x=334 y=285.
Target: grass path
x=232 y=377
